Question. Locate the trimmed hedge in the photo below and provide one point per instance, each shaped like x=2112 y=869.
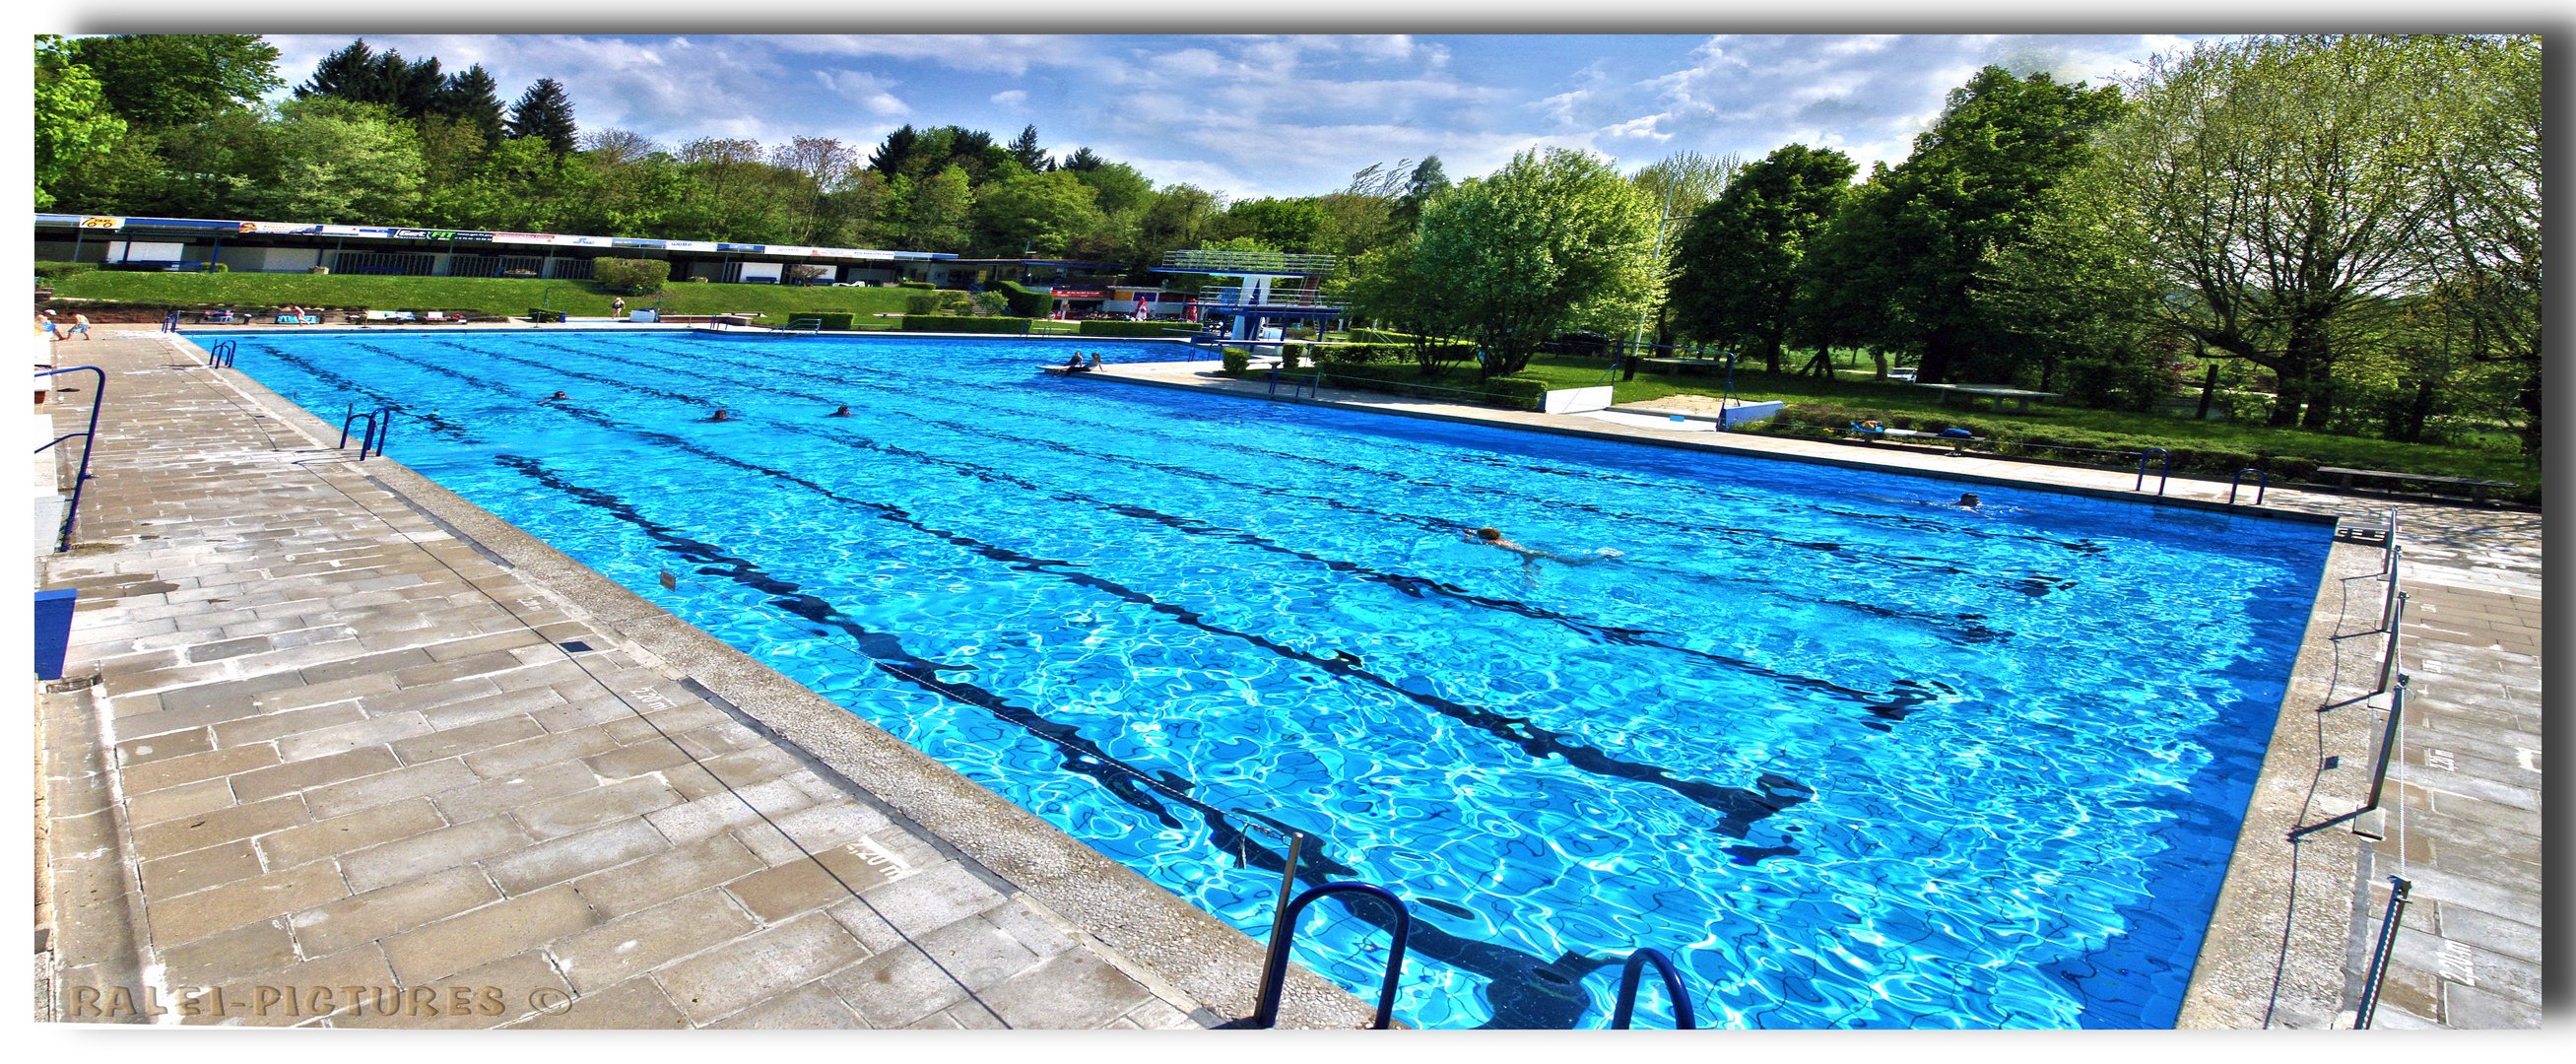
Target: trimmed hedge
x=2022 y=440
x=956 y=323
x=1130 y=328
x=1510 y=393
x=1028 y=302
x=58 y=270
x=836 y=320
x=1237 y=361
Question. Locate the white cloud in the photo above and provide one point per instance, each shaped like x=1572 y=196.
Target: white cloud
x=866 y=90
x=1011 y=98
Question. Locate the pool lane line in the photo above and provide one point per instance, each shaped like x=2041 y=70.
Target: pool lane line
x=1509 y=973
x=1738 y=808
x=1964 y=628
x=1884 y=709
x=1528 y=465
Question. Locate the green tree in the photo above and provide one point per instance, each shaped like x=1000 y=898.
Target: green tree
x=335 y=161
x=1735 y=267
x=1925 y=234
x=2278 y=193
x=1552 y=241
x=472 y=97
x=2488 y=192
x=1386 y=284
x=161 y=81
x=73 y=123
x=819 y=166
x=1042 y=213
x=937 y=211
x=1426 y=181
x=1120 y=186
x=1296 y=225
x=1027 y=151
x=350 y=73
x=544 y=112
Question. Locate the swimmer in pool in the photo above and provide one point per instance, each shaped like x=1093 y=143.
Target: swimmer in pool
x=1530 y=556
x=1968 y=501
x=555 y=398
x=844 y=411
x=719 y=416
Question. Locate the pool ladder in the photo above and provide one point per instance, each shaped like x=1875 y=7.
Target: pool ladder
x=1283 y=933
x=1300 y=387
x=220 y=355
x=372 y=438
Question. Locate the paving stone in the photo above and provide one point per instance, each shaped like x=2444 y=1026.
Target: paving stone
x=196 y=870
x=194 y=916
x=830 y=876
x=670 y=874
x=806 y=1008
x=317 y=772
x=896 y=987
x=270 y=726
x=483 y=935
x=352 y=737
x=153 y=748
x=489 y=995
x=503 y=793
x=639 y=942
x=304 y=992
x=931 y=898
x=548 y=863
x=725 y=810
x=748 y=970
x=251 y=949
x=368 y=792
x=466 y=739
x=553 y=749
x=186 y=833
x=362 y=918
x=420 y=855
x=634 y=1005
x=597 y=805
x=350 y=833
x=1068 y=991
x=191 y=768
x=203 y=796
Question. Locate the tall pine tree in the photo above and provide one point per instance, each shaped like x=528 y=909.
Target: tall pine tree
x=545 y=112
x=1026 y=150
x=470 y=98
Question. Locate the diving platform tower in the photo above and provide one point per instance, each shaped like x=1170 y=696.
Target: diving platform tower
x=1262 y=287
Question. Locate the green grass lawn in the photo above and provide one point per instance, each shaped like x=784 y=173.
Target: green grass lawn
x=1856 y=394
x=484 y=297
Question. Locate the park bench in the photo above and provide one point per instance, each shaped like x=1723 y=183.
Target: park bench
x=2477 y=489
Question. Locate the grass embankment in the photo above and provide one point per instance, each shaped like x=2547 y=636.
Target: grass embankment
x=2202 y=448
x=480 y=296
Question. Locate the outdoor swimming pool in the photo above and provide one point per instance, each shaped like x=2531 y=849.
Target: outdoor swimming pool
x=1853 y=756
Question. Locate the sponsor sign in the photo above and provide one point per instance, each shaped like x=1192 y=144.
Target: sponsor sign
x=102 y=222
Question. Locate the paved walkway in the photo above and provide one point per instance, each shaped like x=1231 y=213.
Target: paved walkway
x=348 y=770
x=2464 y=809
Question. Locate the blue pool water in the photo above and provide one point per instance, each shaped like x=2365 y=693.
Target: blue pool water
x=1854 y=757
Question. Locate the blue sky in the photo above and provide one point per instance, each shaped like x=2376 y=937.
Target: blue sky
x=1274 y=115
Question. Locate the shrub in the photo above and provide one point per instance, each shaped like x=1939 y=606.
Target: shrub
x=219 y=267
x=1519 y=393
x=641 y=275
x=992 y=304
x=1028 y=302
x=1237 y=362
x=807 y=274
x=838 y=320
x=914 y=284
x=962 y=324
x=1127 y=328
x=59 y=270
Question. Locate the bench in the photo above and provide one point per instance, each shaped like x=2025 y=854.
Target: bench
x=2477 y=489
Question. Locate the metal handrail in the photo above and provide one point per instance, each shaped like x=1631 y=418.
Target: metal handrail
x=2388 y=607
x=1299 y=387
x=812 y=325
x=2398 y=888
x=2387 y=746
x=379 y=423
x=220 y=354
x=1630 y=974
x=89 y=443
x=1274 y=969
x=2162 y=475
x=2262 y=483
x=2388 y=662
x=1296 y=841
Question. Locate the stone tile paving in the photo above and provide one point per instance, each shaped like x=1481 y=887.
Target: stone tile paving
x=2464 y=809
x=350 y=772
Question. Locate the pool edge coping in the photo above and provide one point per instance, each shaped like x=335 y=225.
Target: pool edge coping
x=1207 y=959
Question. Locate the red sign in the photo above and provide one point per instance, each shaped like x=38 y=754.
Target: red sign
x=1081 y=293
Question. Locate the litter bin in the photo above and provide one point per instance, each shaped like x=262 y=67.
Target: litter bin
x=53 y=630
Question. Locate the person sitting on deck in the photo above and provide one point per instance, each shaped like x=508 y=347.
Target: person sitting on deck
x=1095 y=360
x=719 y=415
x=1074 y=364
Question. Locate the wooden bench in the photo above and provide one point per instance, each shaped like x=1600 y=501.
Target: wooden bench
x=2477 y=489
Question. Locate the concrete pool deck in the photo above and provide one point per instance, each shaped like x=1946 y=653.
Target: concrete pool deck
x=359 y=754
x=2305 y=892
x=210 y=485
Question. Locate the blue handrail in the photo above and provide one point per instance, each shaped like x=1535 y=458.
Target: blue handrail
x=1307 y=387
x=2262 y=483
x=2161 y=476
x=220 y=355
x=1274 y=970
x=1629 y=976
x=89 y=442
x=378 y=422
